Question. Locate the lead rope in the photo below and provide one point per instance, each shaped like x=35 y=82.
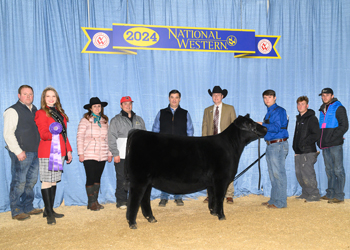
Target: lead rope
x=257 y=160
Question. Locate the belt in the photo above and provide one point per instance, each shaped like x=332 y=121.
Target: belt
x=277 y=140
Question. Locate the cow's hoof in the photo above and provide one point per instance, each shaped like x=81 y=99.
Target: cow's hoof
x=133 y=226
x=222 y=218
x=213 y=213
x=152 y=220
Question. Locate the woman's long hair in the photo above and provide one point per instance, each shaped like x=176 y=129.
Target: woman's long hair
x=88 y=114
x=57 y=104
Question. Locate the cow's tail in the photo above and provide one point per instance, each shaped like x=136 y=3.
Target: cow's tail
x=127 y=160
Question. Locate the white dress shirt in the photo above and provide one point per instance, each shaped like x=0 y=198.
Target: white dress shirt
x=10 y=126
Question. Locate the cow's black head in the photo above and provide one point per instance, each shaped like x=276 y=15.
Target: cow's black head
x=254 y=129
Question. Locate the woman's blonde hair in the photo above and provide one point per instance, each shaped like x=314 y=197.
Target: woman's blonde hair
x=57 y=104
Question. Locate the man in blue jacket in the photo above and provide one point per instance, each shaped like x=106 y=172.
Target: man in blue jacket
x=276 y=122
x=333 y=124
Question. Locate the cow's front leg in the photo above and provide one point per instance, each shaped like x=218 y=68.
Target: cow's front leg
x=220 y=191
x=146 y=205
x=211 y=202
x=135 y=196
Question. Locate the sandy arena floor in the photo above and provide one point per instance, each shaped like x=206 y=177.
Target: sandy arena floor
x=248 y=225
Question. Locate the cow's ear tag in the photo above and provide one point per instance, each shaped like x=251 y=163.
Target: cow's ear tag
x=247 y=116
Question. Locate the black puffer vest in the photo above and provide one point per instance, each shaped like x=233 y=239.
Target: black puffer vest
x=173 y=124
x=27 y=133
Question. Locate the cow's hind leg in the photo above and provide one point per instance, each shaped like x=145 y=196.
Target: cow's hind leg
x=146 y=205
x=135 y=196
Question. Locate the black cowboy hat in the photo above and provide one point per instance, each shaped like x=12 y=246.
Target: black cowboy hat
x=93 y=101
x=217 y=89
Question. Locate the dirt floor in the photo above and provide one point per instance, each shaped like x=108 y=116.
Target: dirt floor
x=248 y=225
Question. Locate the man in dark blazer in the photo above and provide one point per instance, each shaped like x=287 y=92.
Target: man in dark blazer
x=225 y=116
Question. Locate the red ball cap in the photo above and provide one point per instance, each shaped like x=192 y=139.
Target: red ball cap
x=125 y=99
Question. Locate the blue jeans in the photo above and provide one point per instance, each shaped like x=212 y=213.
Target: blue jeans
x=165 y=196
x=333 y=160
x=276 y=154
x=24 y=177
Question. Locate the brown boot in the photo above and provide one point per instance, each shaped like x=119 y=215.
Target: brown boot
x=96 y=191
x=92 y=204
x=35 y=211
x=101 y=207
x=229 y=200
x=22 y=216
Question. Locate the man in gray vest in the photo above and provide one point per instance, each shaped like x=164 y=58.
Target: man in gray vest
x=22 y=138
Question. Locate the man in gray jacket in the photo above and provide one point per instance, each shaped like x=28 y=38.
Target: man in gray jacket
x=119 y=128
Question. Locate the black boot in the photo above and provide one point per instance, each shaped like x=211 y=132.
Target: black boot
x=46 y=193
x=96 y=191
x=52 y=198
x=92 y=204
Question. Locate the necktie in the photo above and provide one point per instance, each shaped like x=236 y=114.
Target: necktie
x=216 y=120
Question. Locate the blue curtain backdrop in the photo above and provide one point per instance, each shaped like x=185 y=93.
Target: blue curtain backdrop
x=41 y=43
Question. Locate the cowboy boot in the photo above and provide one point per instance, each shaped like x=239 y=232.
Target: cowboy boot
x=48 y=207
x=92 y=204
x=52 y=198
x=96 y=191
x=88 y=192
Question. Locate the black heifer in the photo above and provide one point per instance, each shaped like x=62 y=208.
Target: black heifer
x=183 y=165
